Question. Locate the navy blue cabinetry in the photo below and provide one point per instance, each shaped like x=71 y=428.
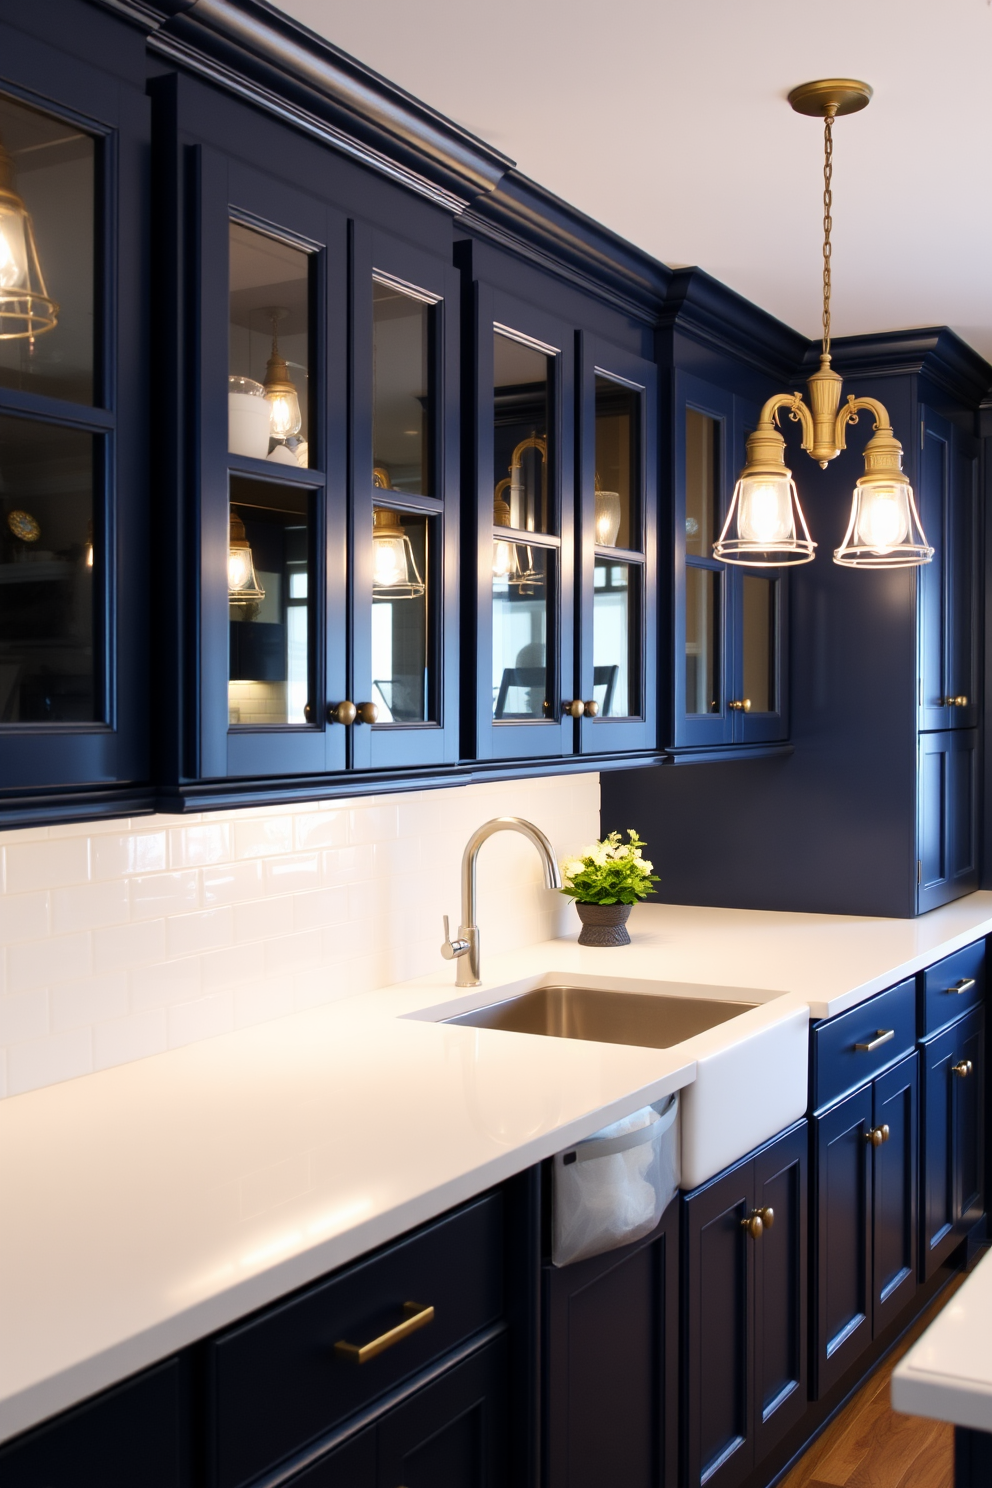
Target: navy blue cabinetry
x=74 y=399
x=947 y=835
x=136 y=1433
x=864 y=1094
x=610 y=1362
x=744 y=1267
x=949 y=584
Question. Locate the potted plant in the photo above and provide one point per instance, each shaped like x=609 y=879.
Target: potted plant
x=605 y=880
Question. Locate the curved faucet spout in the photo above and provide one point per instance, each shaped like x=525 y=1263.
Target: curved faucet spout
x=468 y=930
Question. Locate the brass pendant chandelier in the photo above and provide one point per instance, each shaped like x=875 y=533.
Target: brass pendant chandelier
x=765 y=526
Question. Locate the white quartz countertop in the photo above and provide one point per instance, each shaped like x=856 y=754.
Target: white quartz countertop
x=143 y=1207
x=947 y=1374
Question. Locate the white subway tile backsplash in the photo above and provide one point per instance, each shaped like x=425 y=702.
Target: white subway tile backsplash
x=46 y=1061
x=121 y=939
x=46 y=864
x=122 y=1039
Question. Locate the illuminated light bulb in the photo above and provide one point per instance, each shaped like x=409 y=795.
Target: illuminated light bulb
x=26 y=308
x=883 y=518
x=394 y=567
x=607 y=521
x=11 y=268
x=389 y=564
x=284 y=405
x=242 y=585
x=238 y=568
x=88 y=547
x=765 y=513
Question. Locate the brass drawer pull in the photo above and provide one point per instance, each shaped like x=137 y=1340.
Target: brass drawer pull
x=963 y=1069
x=964 y=985
x=758 y=1221
x=954 y=702
x=417 y=1316
x=883 y=1037
x=878 y=1135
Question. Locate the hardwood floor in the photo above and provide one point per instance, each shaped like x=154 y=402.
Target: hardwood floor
x=869 y=1446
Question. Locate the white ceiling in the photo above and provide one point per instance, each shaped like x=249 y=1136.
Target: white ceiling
x=666 y=120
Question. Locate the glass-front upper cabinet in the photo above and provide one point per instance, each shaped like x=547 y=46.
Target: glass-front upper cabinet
x=949 y=585
x=525 y=390
x=616 y=696
x=728 y=628
x=405 y=504
x=73 y=472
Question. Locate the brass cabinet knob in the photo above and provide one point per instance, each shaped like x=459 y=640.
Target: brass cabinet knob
x=591 y=707
x=308 y=712
x=963 y=1069
x=758 y=1221
x=740 y=705
x=954 y=702
x=574 y=708
x=342 y=712
x=878 y=1135
x=367 y=713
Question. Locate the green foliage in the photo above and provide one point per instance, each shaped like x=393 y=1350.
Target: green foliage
x=609 y=872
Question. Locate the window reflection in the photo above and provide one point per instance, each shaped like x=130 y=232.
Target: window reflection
x=616 y=464
x=47 y=571
x=522 y=642
x=401 y=390
x=702 y=656
x=269 y=596
x=401 y=545
x=47 y=240
x=269 y=335
x=615 y=639
x=521 y=396
x=700 y=482
x=759 y=643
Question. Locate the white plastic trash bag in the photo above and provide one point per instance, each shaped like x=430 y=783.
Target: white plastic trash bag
x=614 y=1187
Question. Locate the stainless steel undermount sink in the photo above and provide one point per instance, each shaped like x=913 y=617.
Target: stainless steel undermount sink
x=604 y=1017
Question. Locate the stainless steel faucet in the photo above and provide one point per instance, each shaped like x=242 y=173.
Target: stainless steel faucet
x=465 y=947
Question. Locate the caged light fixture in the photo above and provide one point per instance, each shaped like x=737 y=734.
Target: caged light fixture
x=765 y=526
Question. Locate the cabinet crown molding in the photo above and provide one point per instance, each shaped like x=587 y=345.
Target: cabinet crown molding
x=934 y=352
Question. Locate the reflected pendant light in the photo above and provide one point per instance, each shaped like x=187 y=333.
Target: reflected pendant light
x=765 y=526
x=394 y=567
x=26 y=308
x=242 y=585
x=280 y=393
x=506 y=554
x=607 y=517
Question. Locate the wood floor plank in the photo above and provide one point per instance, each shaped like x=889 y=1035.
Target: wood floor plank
x=869 y=1446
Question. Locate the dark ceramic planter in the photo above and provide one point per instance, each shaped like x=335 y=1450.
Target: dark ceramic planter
x=603 y=924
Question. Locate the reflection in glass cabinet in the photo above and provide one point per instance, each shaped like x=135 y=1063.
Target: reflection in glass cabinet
x=46 y=574
x=401 y=544
x=522 y=639
x=616 y=638
x=268 y=393
x=702 y=640
x=270 y=603
x=47 y=258
x=522 y=389
x=401 y=411
x=703 y=578
x=617 y=477
x=759 y=643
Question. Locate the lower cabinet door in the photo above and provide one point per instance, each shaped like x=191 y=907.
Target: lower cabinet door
x=453 y=1432
x=842 y=1311
x=780 y=1271
x=717 y=1283
x=894 y=1191
x=611 y=1366
x=948 y=817
x=351 y=1465
x=952 y=1110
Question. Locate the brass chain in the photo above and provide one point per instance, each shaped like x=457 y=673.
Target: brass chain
x=828 y=221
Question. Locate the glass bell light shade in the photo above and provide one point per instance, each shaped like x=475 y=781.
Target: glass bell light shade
x=26 y=308
x=242 y=584
x=504 y=559
x=607 y=520
x=884 y=530
x=285 y=416
x=394 y=567
x=765 y=526
x=248 y=418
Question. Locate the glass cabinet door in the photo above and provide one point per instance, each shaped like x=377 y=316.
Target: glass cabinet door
x=729 y=621
x=405 y=501
x=73 y=470
x=272 y=577
x=617 y=604
x=524 y=401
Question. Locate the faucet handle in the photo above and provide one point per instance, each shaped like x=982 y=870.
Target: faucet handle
x=452 y=949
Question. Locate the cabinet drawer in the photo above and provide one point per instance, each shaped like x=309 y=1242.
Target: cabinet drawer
x=278 y=1381
x=946 y=994
x=839 y=1065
